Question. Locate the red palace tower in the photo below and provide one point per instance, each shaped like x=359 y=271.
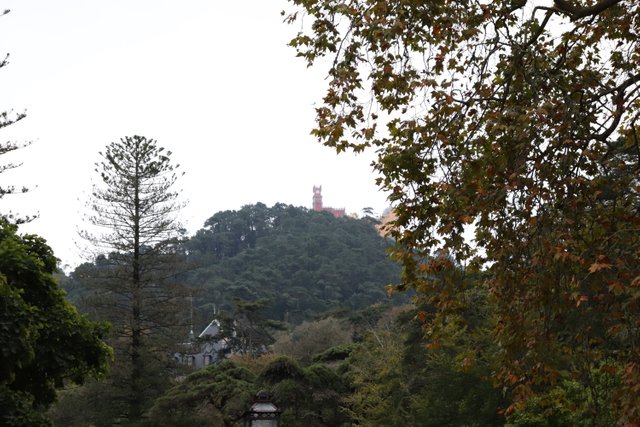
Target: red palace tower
x=317 y=204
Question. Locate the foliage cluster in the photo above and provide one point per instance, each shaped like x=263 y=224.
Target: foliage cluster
x=386 y=378
x=518 y=121
x=312 y=338
x=45 y=343
x=389 y=376
x=247 y=330
x=220 y=394
x=303 y=262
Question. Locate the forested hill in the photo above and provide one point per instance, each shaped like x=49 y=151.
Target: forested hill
x=303 y=262
x=300 y=262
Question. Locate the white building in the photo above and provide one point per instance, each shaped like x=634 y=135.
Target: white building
x=204 y=350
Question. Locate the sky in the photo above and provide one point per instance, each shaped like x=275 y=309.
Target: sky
x=212 y=81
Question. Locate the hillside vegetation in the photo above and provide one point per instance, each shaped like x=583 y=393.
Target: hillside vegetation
x=300 y=262
x=303 y=262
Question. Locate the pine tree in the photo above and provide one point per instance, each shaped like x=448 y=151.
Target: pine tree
x=134 y=214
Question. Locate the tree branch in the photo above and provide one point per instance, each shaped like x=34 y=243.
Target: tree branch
x=579 y=12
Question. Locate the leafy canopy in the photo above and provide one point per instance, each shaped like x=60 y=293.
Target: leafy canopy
x=45 y=342
x=303 y=262
x=518 y=120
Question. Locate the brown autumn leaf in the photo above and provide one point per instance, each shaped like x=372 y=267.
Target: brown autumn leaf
x=597 y=266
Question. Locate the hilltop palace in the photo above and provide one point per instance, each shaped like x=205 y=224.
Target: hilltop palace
x=317 y=204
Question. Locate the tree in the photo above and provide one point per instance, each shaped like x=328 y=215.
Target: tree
x=215 y=396
x=8 y=118
x=45 y=342
x=398 y=378
x=247 y=331
x=134 y=209
x=309 y=339
x=220 y=394
x=379 y=392
x=508 y=118
x=308 y=396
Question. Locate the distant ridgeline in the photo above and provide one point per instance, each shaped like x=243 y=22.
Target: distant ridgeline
x=304 y=262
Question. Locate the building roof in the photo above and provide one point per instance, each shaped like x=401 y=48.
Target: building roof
x=211 y=330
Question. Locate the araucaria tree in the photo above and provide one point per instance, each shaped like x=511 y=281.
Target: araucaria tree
x=134 y=212
x=518 y=120
x=8 y=118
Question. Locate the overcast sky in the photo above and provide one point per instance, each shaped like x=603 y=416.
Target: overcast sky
x=212 y=81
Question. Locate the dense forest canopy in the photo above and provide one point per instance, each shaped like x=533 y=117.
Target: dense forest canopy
x=302 y=262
